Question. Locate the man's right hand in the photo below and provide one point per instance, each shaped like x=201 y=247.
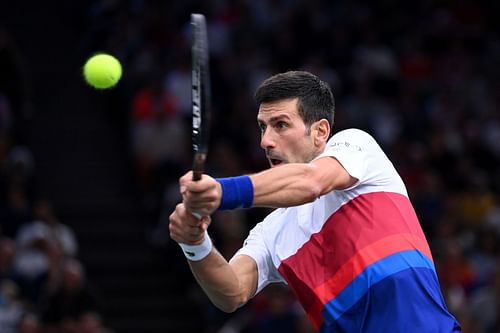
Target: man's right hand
x=203 y=196
x=186 y=228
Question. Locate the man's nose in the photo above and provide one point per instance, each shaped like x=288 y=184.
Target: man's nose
x=267 y=139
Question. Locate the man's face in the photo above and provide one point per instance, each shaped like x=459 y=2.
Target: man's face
x=284 y=136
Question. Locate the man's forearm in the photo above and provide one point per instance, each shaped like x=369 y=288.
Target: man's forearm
x=285 y=186
x=219 y=281
x=298 y=183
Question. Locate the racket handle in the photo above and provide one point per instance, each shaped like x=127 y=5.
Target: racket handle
x=197 y=174
x=198 y=165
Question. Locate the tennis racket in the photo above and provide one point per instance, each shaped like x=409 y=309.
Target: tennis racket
x=200 y=94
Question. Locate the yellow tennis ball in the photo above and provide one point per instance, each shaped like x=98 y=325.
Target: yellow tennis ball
x=102 y=71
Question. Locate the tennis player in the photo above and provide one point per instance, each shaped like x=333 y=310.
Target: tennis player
x=344 y=236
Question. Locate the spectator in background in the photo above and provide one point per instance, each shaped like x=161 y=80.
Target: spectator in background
x=17 y=185
x=36 y=258
x=47 y=224
x=91 y=322
x=21 y=169
x=484 y=255
x=71 y=306
x=29 y=323
x=7 y=255
x=485 y=305
x=43 y=244
x=16 y=314
x=11 y=308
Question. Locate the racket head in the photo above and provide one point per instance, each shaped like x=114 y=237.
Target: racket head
x=201 y=93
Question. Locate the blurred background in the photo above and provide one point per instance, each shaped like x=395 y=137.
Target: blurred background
x=88 y=178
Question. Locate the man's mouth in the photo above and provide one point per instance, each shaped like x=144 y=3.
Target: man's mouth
x=275 y=162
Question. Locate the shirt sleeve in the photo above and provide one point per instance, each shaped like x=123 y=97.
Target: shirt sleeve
x=364 y=159
x=255 y=247
x=349 y=147
x=359 y=154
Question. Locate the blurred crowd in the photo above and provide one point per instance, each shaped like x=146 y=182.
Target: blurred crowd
x=423 y=77
x=43 y=287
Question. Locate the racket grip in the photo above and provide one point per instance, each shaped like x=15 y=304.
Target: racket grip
x=198 y=165
x=197 y=174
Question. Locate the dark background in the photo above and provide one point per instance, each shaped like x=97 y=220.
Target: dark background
x=420 y=76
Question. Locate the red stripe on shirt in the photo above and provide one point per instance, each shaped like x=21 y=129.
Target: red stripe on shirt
x=367 y=256
x=359 y=223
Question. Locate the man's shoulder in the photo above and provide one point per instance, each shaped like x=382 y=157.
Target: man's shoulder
x=353 y=139
x=352 y=133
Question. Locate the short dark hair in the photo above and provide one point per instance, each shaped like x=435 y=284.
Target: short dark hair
x=315 y=98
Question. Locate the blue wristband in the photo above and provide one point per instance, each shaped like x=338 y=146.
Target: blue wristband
x=237 y=192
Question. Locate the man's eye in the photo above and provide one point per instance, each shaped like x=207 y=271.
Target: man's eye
x=262 y=128
x=281 y=125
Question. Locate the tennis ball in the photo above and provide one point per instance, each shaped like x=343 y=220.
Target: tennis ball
x=102 y=71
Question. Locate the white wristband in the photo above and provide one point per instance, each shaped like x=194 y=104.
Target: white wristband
x=198 y=252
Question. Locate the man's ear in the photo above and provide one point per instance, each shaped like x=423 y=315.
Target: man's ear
x=321 y=131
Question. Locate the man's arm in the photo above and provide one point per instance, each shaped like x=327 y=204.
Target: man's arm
x=298 y=183
x=228 y=285
x=283 y=186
